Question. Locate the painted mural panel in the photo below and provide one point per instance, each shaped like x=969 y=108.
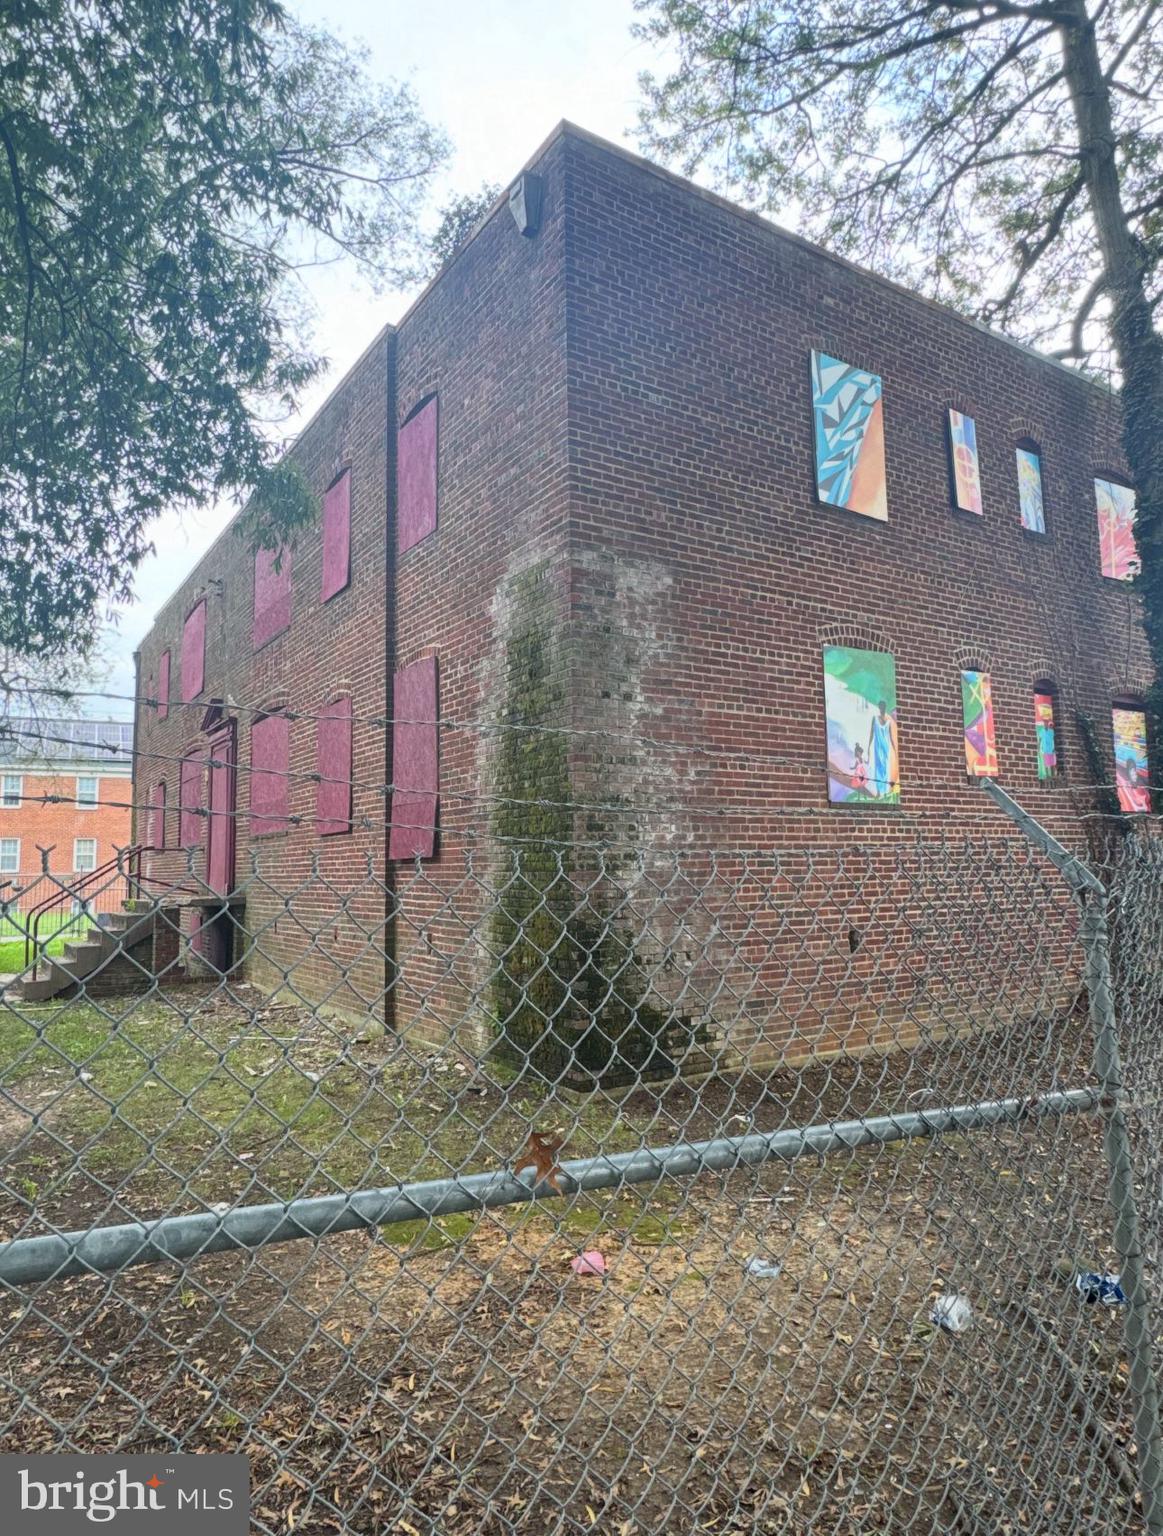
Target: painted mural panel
x=1044 y=725
x=963 y=462
x=861 y=712
x=1132 y=776
x=849 y=427
x=1116 y=529
x=1030 y=491
x=977 y=717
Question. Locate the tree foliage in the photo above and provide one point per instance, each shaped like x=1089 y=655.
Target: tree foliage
x=458 y=219
x=1004 y=155
x=166 y=167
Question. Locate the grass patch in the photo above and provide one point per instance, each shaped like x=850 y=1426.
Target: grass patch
x=176 y=1103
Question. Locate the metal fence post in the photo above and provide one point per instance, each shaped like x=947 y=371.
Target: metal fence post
x=1093 y=899
x=1116 y=1140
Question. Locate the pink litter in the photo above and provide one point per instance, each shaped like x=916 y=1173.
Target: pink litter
x=589 y=1263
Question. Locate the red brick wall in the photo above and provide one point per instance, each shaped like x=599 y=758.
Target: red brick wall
x=710 y=578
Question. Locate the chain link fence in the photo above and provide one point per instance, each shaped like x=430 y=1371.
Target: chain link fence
x=627 y=1191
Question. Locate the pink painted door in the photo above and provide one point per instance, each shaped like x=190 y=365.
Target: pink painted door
x=220 y=836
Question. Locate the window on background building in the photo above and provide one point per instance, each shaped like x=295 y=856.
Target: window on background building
x=84 y=855
x=9 y=855
x=416 y=475
x=190 y=801
x=87 y=791
x=1030 y=503
x=13 y=792
x=1045 y=727
x=270 y=767
x=977 y=722
x=1132 y=767
x=337 y=536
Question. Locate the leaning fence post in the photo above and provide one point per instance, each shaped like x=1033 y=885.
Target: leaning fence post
x=1093 y=899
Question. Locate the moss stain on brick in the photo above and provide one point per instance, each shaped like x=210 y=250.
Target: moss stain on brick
x=567 y=994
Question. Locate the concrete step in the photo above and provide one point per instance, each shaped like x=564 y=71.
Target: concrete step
x=82 y=957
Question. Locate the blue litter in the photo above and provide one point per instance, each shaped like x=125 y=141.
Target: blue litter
x=764 y=1269
x=1103 y=1289
x=952 y=1312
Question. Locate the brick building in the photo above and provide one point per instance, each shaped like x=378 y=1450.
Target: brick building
x=65 y=793
x=686 y=494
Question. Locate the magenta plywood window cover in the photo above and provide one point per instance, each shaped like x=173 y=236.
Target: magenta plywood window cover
x=194 y=652
x=272 y=595
x=337 y=536
x=415 y=762
x=157 y=834
x=333 y=765
x=190 y=801
x=416 y=476
x=163 y=686
x=270 y=788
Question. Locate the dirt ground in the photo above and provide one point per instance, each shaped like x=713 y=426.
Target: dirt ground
x=455 y=1376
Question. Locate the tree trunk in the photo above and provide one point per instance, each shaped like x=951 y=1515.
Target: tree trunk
x=1138 y=347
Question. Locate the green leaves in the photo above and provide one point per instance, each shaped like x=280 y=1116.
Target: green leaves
x=935 y=143
x=166 y=166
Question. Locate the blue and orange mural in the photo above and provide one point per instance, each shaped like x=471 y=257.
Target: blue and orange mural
x=849 y=427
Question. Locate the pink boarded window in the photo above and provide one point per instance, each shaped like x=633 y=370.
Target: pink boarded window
x=415 y=762
x=337 y=536
x=333 y=765
x=157 y=830
x=190 y=801
x=270 y=787
x=194 y=652
x=416 y=476
x=272 y=595
x=163 y=686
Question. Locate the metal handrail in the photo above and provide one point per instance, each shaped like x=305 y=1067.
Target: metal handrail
x=127 y=862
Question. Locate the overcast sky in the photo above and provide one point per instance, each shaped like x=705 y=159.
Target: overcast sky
x=496 y=76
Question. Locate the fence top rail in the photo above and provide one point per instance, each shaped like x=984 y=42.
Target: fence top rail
x=1075 y=871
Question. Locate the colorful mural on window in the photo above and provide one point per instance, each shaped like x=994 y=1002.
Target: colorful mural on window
x=1116 y=529
x=963 y=462
x=860 y=708
x=1030 y=490
x=1132 y=778
x=849 y=427
x=977 y=716
x=1044 y=725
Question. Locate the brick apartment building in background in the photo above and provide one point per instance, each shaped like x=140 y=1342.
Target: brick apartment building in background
x=644 y=469
x=65 y=790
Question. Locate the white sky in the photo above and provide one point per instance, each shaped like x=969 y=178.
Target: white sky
x=496 y=75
